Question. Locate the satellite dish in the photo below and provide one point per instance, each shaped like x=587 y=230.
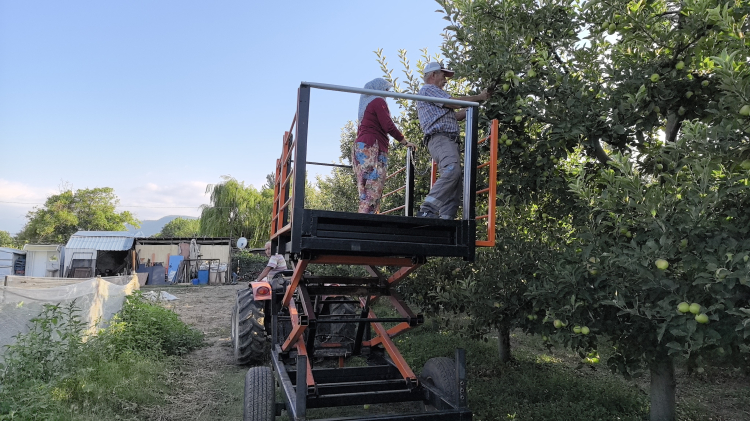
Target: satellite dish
x=241 y=242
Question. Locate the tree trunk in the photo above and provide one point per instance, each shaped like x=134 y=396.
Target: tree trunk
x=503 y=343
x=662 y=389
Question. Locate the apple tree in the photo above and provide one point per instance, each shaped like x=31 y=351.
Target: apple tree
x=660 y=264
x=655 y=96
x=63 y=214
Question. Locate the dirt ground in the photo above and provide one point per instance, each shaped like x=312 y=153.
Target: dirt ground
x=210 y=385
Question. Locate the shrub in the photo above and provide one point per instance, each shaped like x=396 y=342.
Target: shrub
x=56 y=372
x=250 y=264
x=144 y=327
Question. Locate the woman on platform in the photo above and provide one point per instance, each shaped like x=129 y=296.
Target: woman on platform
x=370 y=151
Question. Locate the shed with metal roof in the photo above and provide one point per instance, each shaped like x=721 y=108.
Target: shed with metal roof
x=44 y=260
x=106 y=253
x=12 y=261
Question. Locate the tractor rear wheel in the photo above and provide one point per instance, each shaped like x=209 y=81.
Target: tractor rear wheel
x=260 y=394
x=248 y=332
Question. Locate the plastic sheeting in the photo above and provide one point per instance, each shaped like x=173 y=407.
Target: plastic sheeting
x=24 y=298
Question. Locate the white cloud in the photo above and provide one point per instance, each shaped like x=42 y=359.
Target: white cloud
x=147 y=201
x=17 y=199
x=21 y=194
x=153 y=201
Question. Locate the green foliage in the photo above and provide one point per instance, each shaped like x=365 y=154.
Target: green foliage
x=180 y=227
x=7 y=240
x=534 y=387
x=250 y=264
x=57 y=371
x=237 y=211
x=62 y=215
x=338 y=191
x=144 y=327
x=693 y=217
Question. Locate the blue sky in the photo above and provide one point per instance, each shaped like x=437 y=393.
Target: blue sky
x=159 y=98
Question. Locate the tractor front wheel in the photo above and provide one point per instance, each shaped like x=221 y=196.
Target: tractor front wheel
x=248 y=331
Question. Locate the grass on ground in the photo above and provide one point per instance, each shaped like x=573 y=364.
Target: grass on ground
x=55 y=372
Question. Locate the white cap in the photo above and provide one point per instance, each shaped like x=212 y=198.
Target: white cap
x=434 y=66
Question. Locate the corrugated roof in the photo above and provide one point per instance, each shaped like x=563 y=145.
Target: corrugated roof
x=101 y=240
x=42 y=247
x=11 y=250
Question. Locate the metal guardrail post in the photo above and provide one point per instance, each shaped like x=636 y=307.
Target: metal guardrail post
x=461 y=377
x=409 y=193
x=300 y=166
x=301 y=388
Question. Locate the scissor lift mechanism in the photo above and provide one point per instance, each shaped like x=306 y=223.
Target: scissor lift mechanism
x=310 y=236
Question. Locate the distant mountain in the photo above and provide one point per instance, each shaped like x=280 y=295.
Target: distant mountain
x=151 y=227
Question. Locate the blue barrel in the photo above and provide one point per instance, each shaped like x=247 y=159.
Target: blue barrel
x=202 y=277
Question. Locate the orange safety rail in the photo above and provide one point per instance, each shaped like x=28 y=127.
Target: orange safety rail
x=491 y=188
x=281 y=189
x=398 y=189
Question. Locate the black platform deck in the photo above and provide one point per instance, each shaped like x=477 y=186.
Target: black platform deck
x=342 y=233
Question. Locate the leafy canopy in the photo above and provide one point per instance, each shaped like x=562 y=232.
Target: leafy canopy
x=180 y=227
x=62 y=215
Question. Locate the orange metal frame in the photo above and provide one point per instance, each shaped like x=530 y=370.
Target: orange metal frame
x=295 y=338
x=491 y=189
x=281 y=183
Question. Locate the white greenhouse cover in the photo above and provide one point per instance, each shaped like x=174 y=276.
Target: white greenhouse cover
x=24 y=297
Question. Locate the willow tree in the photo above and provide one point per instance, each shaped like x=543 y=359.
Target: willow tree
x=236 y=211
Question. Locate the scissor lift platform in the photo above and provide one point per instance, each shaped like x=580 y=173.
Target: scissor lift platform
x=390 y=248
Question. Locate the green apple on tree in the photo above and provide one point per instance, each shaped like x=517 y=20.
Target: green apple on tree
x=695 y=308
x=585 y=330
x=683 y=307
x=661 y=264
x=701 y=318
x=745 y=110
x=654 y=77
